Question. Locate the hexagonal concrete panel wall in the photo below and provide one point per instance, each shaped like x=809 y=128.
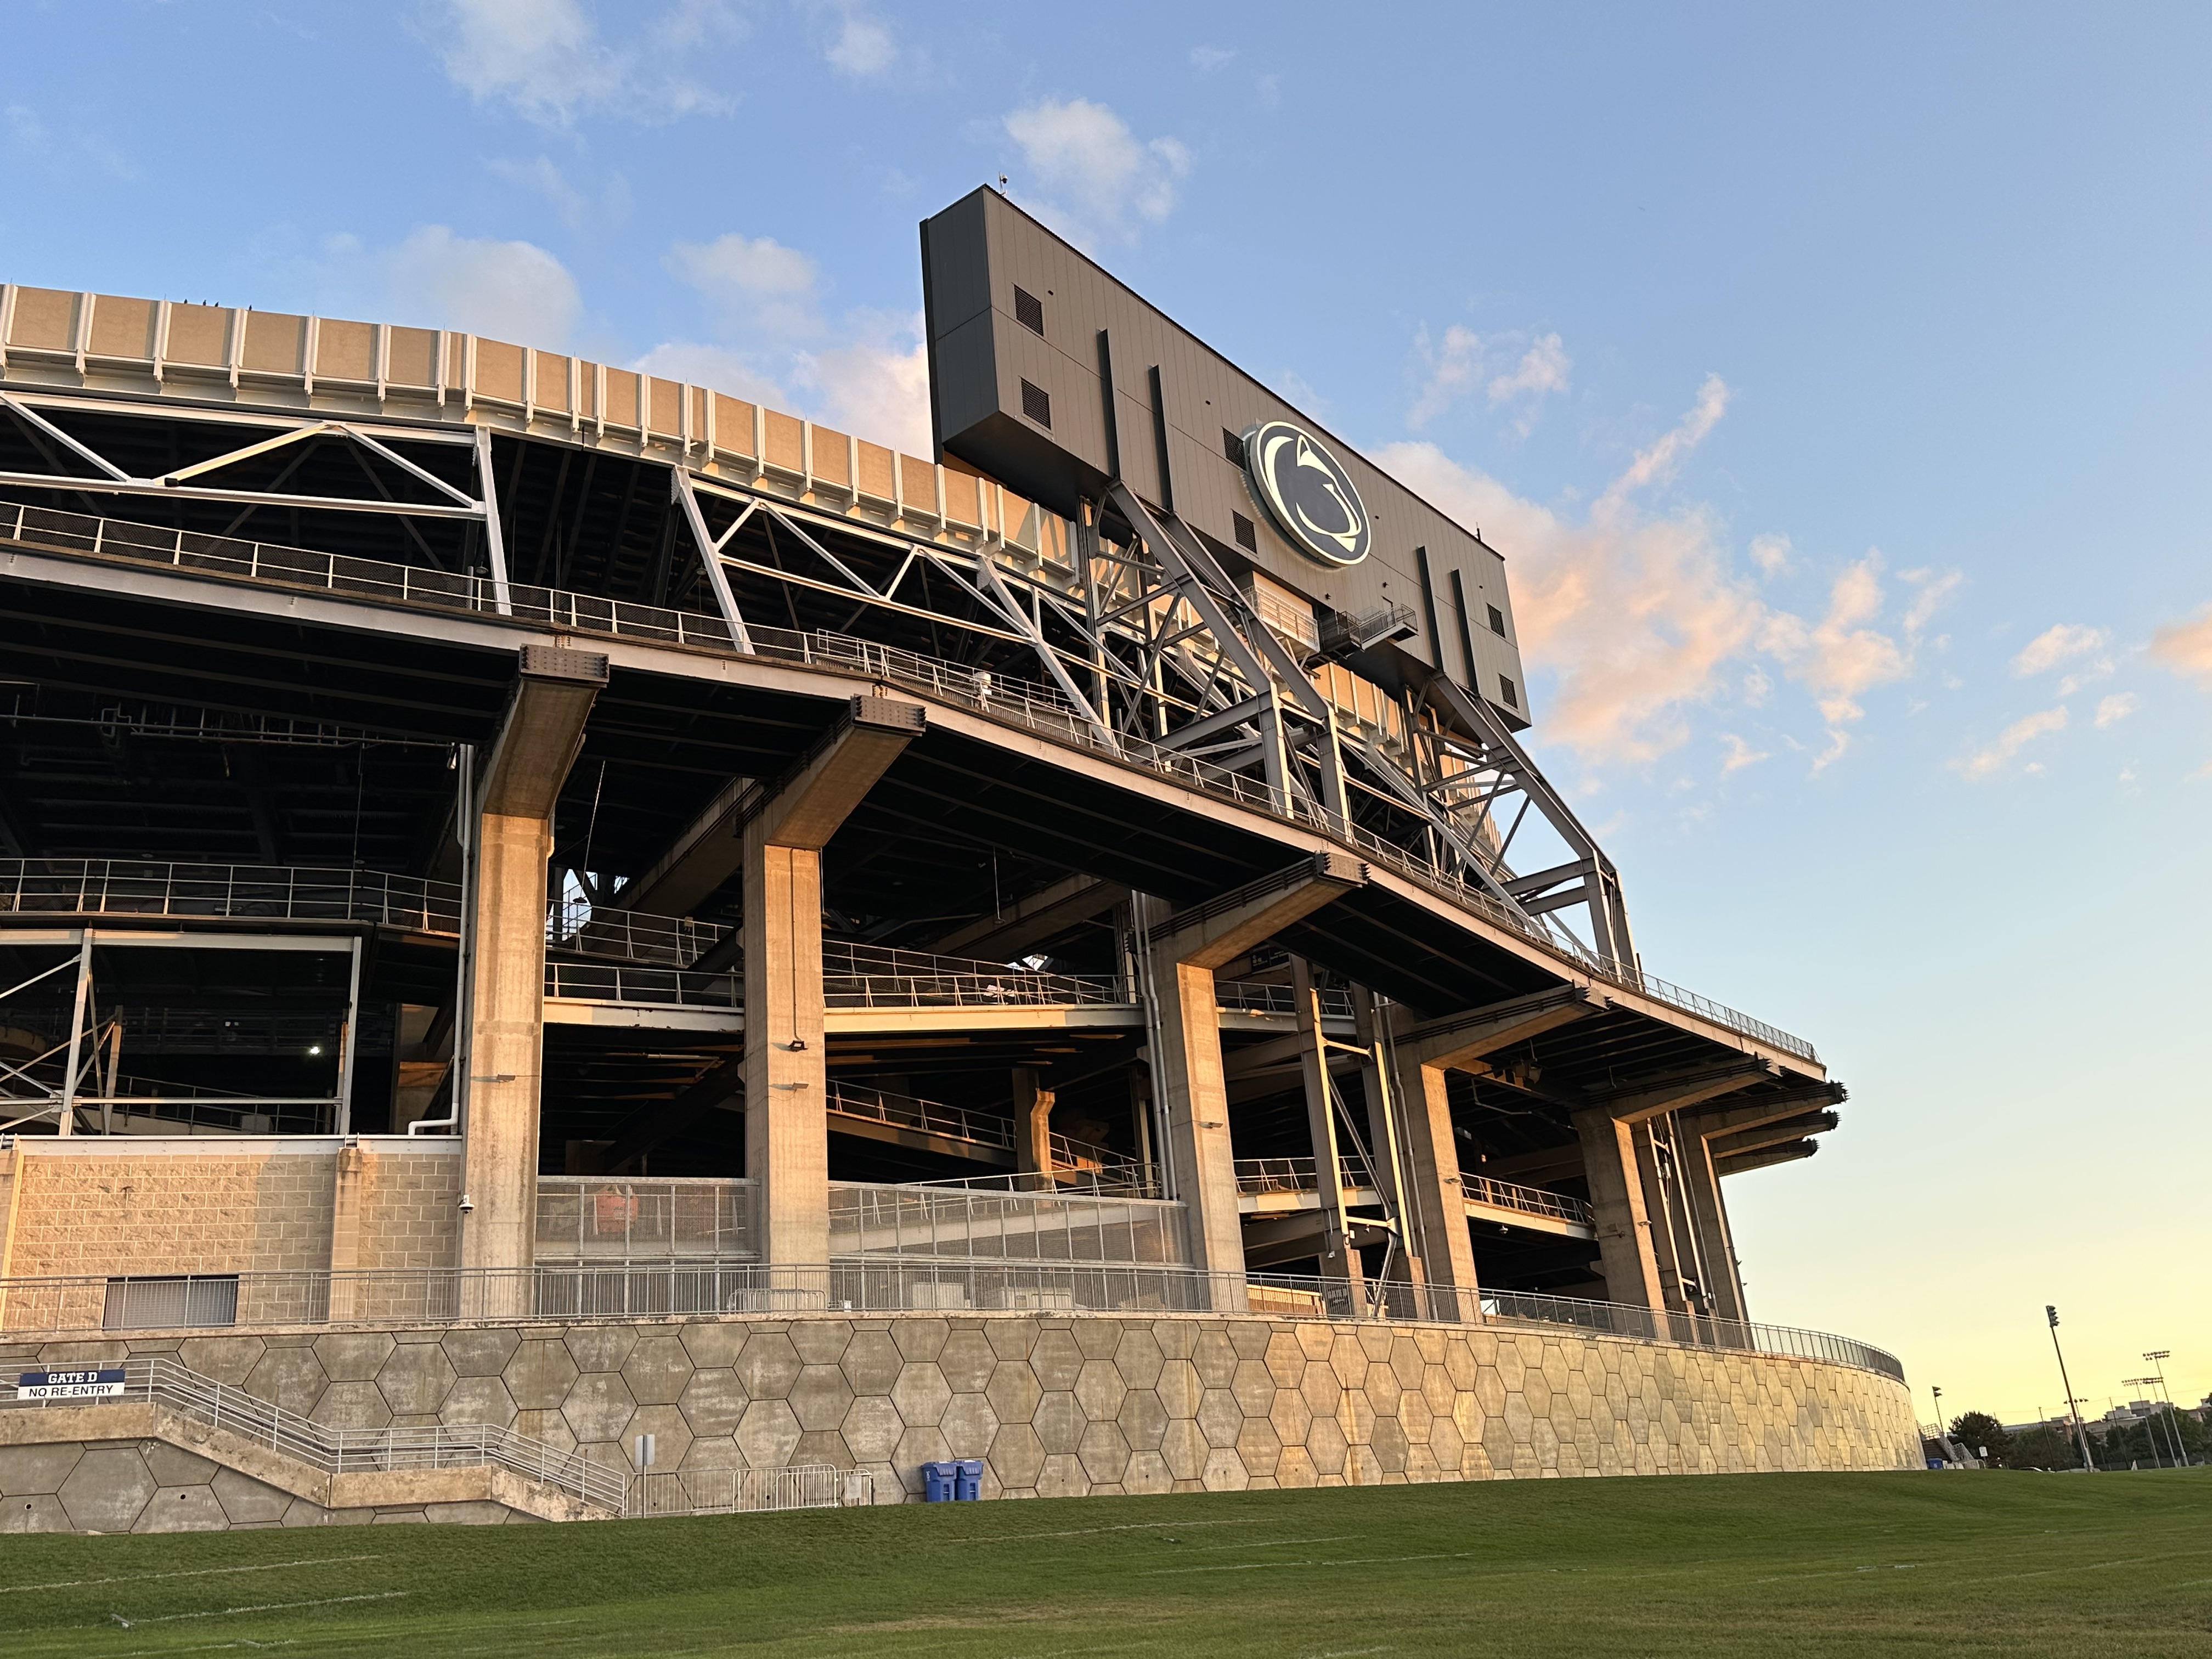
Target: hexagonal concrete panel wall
x=1053 y=1404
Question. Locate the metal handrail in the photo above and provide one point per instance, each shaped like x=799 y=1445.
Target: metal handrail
x=927 y=1116
x=629 y=981
x=1036 y=708
x=76 y=1304
x=1298 y=1175
x=601 y=930
x=133 y=887
x=1531 y=1200
x=880 y=976
x=160 y=1379
x=1336 y=1003
x=956 y=1123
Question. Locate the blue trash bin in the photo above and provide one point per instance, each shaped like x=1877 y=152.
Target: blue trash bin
x=939 y=1482
x=970 y=1484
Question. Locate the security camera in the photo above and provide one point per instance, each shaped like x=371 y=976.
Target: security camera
x=467 y=1205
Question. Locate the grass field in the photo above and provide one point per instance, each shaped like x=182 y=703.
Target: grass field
x=2018 y=1565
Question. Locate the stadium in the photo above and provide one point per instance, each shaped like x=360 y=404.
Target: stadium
x=574 y=945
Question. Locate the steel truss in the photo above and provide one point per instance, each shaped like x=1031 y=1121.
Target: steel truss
x=82 y=1070
x=1142 y=637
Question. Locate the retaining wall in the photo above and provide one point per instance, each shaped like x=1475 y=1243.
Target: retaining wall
x=1068 y=1405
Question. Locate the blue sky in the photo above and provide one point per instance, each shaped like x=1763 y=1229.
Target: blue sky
x=1832 y=380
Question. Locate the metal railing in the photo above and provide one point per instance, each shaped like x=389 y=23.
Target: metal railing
x=926 y=1116
x=577 y=925
x=1298 y=1175
x=1278 y=999
x=130 y=887
x=1531 y=1201
x=1102 y=1181
x=878 y=976
x=163 y=1381
x=1027 y=704
x=871 y=1284
x=748 y=1491
x=629 y=981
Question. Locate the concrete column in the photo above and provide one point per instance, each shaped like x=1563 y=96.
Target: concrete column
x=786 y=1081
x=1187 y=949
x=345 y=1230
x=1425 y=1051
x=787 y=825
x=11 y=1165
x=1434 y=1197
x=1196 y=1098
x=537 y=743
x=1622 y=1226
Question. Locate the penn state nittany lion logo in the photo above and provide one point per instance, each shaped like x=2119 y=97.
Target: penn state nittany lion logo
x=1307 y=492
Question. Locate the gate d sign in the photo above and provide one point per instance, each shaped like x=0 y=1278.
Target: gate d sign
x=70 y=1385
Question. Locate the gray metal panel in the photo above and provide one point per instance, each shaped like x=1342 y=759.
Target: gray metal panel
x=1205 y=394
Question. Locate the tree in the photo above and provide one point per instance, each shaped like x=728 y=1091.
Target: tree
x=1976 y=1429
x=2043 y=1447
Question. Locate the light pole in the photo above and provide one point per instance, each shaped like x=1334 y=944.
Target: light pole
x=2158 y=1358
x=1938 y=1394
x=2150 y=1433
x=2081 y=1434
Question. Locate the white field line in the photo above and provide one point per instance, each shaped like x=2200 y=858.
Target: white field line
x=195 y=1572
x=1086 y=1532
x=1359 y=1561
x=264 y=1606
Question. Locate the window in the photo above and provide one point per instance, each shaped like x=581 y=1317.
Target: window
x=1512 y=692
x=1248 y=538
x=1498 y=622
x=1029 y=312
x=1232 y=447
x=1037 y=404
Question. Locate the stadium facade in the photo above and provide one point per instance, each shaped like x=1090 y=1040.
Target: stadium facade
x=544 y=906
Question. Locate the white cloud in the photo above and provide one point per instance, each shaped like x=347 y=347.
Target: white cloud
x=1740 y=754
x=545 y=57
x=1838 y=658
x=1457 y=365
x=1206 y=59
x=2060 y=642
x=754 y=284
x=1642 y=615
x=513 y=291
x=2015 y=737
x=1455 y=368
x=2111 y=710
x=1543 y=368
x=1931 y=588
x=2185 y=648
x=868 y=375
x=1098 y=175
x=863 y=49
x=1635 y=614
x=548 y=180
x=70 y=157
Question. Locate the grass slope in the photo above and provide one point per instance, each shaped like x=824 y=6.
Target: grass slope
x=2018 y=1565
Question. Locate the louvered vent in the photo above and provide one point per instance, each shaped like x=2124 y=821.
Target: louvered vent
x=1248 y=538
x=1029 y=312
x=1037 y=404
x=1498 y=622
x=1232 y=447
x=1512 y=692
